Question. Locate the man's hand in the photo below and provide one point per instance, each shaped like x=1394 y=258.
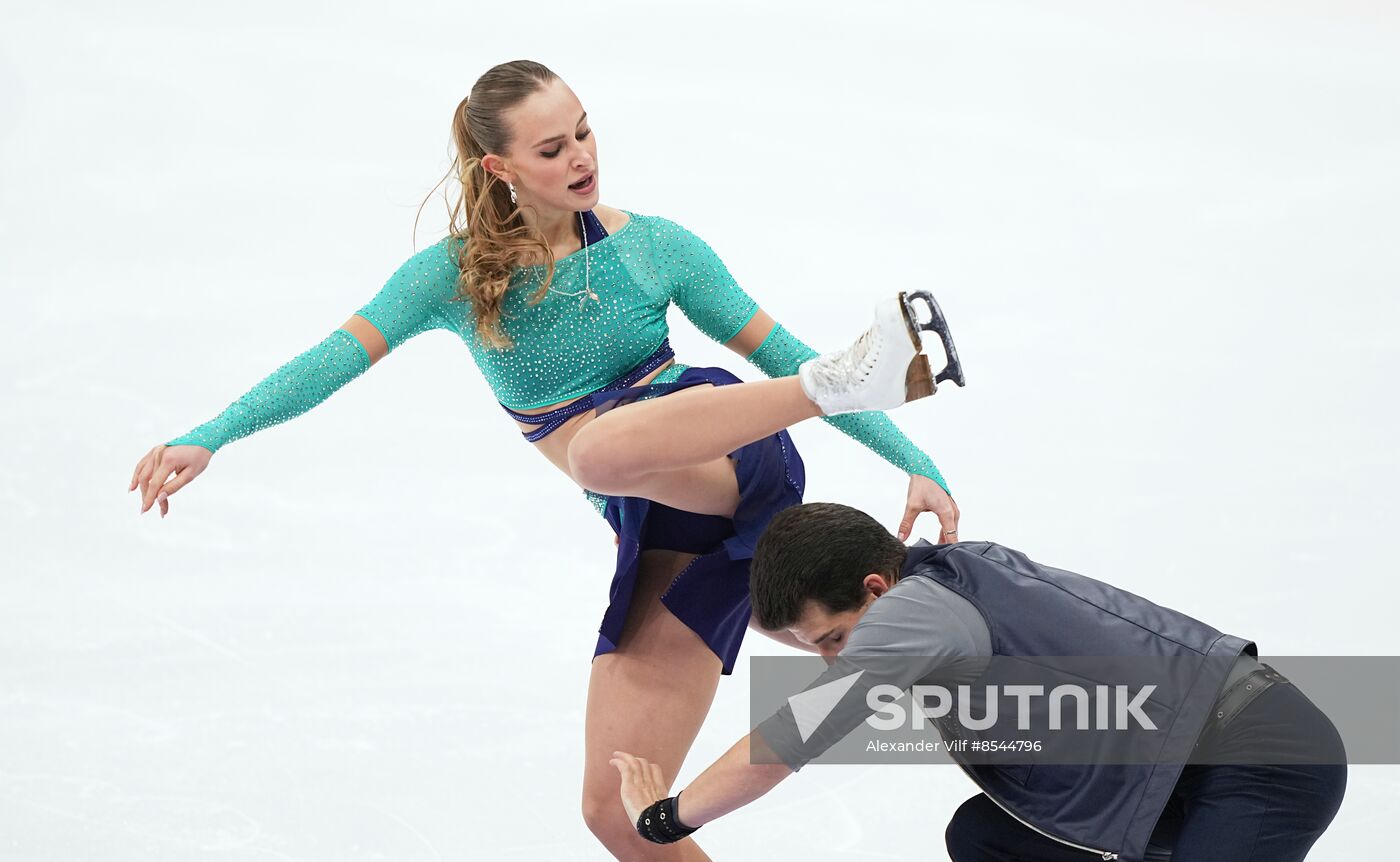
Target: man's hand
x=642 y=783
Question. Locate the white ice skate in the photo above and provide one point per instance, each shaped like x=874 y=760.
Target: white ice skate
x=886 y=366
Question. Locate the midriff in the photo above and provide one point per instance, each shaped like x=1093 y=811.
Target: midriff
x=555 y=445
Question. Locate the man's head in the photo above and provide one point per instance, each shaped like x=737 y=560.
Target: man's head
x=816 y=569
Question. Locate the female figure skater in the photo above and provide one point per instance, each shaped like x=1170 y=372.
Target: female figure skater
x=687 y=481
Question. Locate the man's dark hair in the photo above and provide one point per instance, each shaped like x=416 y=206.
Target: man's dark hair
x=820 y=552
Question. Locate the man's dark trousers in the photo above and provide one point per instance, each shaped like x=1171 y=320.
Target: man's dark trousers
x=1253 y=803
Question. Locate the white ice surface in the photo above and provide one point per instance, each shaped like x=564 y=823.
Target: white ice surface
x=1165 y=235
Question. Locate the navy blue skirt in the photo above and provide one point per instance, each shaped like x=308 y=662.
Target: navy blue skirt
x=711 y=594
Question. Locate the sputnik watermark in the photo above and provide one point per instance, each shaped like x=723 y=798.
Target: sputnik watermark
x=1126 y=706
x=1018 y=711
x=1115 y=707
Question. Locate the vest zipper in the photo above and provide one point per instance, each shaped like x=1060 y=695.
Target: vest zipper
x=1106 y=855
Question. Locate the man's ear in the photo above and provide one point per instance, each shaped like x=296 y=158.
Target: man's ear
x=494 y=164
x=876 y=583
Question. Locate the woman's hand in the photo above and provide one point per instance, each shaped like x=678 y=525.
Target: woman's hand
x=642 y=783
x=926 y=495
x=153 y=471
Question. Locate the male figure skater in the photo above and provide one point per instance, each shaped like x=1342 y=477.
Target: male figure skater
x=1244 y=766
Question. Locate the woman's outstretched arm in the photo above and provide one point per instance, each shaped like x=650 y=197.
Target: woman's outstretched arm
x=412 y=301
x=294 y=388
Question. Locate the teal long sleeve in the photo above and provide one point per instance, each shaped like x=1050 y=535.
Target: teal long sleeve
x=290 y=391
x=780 y=354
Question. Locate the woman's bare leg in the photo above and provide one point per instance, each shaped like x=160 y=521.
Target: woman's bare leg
x=648 y=697
x=707 y=421
x=682 y=429
x=711 y=488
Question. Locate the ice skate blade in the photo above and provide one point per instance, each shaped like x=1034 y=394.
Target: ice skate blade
x=952 y=370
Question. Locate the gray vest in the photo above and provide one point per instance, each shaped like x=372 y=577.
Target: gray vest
x=1037 y=610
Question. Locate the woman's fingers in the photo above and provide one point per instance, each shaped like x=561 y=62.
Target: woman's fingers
x=949 y=520
x=906 y=526
x=136 y=473
x=153 y=474
x=160 y=471
x=142 y=467
x=926 y=495
x=183 y=476
x=185 y=473
x=143 y=480
x=149 y=484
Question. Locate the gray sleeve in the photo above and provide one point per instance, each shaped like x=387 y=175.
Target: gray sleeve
x=910 y=634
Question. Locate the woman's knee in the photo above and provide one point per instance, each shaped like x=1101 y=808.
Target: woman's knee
x=594 y=462
x=607 y=820
x=601 y=814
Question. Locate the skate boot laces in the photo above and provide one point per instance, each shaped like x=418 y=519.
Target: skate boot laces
x=848 y=369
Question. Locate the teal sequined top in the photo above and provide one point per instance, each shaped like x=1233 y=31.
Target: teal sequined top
x=567 y=346
x=564 y=346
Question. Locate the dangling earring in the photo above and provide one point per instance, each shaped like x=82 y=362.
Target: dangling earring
x=512 y=192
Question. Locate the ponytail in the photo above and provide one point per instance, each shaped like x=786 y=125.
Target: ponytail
x=490 y=234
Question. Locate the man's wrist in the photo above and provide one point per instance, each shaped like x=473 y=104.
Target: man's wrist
x=660 y=824
x=681 y=821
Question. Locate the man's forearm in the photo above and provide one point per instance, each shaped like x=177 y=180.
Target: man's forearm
x=729 y=783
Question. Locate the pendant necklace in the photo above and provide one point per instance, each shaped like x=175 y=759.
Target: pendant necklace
x=587 y=292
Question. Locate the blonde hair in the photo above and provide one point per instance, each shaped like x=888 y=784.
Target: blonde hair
x=491 y=235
